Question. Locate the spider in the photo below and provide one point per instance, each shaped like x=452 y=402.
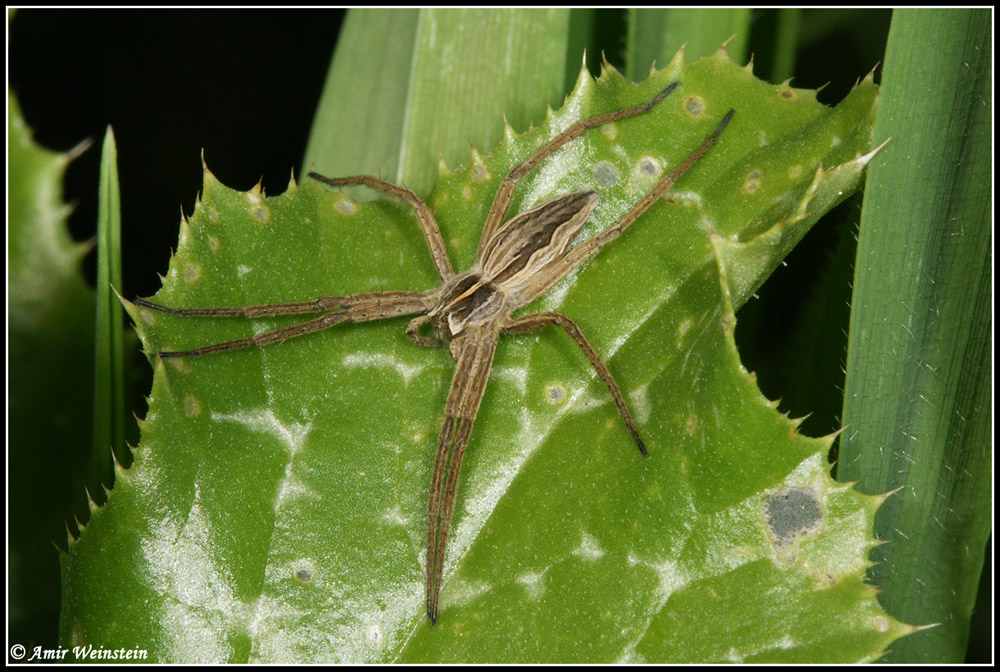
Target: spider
x=517 y=261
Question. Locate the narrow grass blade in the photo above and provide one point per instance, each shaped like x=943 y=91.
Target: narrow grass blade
x=786 y=42
x=109 y=379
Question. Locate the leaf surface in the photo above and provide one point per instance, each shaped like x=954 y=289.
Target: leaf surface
x=276 y=509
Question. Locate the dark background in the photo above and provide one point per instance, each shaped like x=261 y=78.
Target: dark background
x=171 y=83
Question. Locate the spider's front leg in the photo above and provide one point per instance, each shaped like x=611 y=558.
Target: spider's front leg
x=432 y=234
x=562 y=263
x=505 y=193
x=337 y=309
x=364 y=307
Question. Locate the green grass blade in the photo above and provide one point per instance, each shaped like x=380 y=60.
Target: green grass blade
x=460 y=72
x=109 y=378
x=786 y=42
x=657 y=34
x=917 y=398
x=496 y=63
x=358 y=127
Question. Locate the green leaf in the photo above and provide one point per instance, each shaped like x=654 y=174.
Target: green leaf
x=276 y=508
x=917 y=396
x=50 y=312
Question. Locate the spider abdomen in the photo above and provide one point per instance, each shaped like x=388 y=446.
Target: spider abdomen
x=532 y=243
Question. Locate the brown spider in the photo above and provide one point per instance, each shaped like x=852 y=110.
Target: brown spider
x=517 y=262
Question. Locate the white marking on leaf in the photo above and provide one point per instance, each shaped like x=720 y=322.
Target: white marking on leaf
x=589 y=548
x=534 y=584
x=384 y=361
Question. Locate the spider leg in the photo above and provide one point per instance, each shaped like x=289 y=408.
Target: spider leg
x=506 y=191
x=435 y=243
x=539 y=320
x=413 y=329
x=590 y=247
x=471 y=374
x=319 y=305
x=355 y=308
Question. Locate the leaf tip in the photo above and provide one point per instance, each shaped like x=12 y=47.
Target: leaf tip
x=509 y=134
x=121 y=473
x=79 y=149
x=80 y=527
x=91 y=504
x=70 y=537
x=443 y=169
x=607 y=69
x=60 y=548
x=582 y=76
x=879 y=498
x=676 y=62
x=863 y=160
x=125 y=302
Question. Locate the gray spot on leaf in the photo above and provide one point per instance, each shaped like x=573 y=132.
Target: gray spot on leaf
x=791 y=514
